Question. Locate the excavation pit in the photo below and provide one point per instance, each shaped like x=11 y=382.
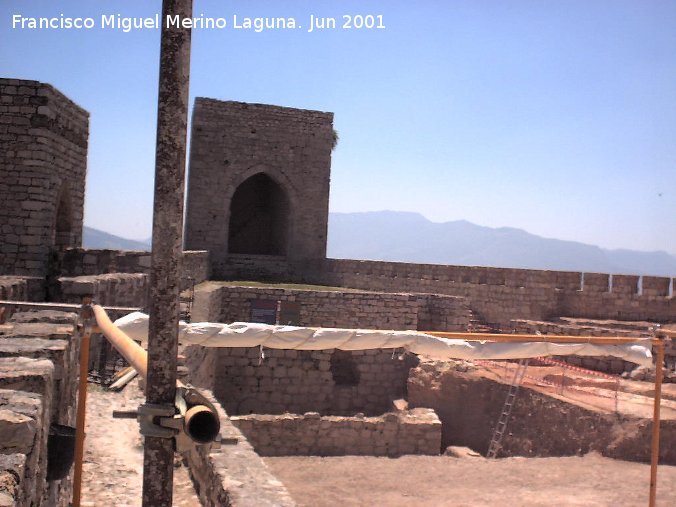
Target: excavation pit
x=288 y=402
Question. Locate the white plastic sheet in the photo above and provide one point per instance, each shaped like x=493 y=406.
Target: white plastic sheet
x=244 y=334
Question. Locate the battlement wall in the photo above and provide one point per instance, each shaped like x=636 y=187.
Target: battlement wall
x=75 y=262
x=501 y=294
x=38 y=387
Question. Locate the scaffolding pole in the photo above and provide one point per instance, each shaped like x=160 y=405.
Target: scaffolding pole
x=167 y=246
x=655 y=438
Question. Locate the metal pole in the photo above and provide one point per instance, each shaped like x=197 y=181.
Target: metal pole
x=655 y=447
x=80 y=417
x=172 y=119
x=519 y=338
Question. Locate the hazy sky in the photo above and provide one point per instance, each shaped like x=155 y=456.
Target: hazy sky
x=558 y=117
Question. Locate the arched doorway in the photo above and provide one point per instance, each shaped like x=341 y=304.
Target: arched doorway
x=259 y=218
x=63 y=227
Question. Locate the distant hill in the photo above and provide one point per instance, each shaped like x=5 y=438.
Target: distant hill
x=94 y=238
x=410 y=237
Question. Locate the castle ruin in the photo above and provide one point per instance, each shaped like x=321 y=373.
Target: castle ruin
x=257 y=209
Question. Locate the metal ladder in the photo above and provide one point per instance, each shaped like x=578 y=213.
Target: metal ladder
x=499 y=432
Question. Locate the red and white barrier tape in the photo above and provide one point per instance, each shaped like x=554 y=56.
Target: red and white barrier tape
x=569 y=366
x=560 y=385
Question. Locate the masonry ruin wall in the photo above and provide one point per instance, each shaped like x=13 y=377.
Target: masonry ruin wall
x=416 y=431
x=43 y=163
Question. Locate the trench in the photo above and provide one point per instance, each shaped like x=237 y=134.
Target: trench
x=469 y=402
x=310 y=396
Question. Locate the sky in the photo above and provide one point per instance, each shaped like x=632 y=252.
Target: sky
x=557 y=117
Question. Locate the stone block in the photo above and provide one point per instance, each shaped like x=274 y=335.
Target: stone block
x=12 y=470
x=18 y=432
x=24 y=374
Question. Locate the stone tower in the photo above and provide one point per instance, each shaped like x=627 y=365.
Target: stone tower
x=258 y=186
x=43 y=166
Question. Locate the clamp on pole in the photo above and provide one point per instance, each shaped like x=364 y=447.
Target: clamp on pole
x=157 y=420
x=190 y=420
x=86 y=319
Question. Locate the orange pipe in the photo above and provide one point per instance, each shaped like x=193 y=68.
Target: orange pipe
x=135 y=355
x=201 y=422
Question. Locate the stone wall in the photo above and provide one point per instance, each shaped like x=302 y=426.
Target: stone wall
x=117 y=289
x=416 y=431
x=266 y=268
x=43 y=163
x=499 y=295
x=38 y=387
x=86 y=262
x=283 y=152
x=347 y=309
x=196 y=268
x=326 y=381
x=13 y=288
x=74 y=262
x=233 y=475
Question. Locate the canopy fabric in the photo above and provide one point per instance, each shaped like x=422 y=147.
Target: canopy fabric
x=245 y=334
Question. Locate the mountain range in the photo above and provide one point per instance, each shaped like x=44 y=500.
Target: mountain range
x=410 y=237
x=94 y=238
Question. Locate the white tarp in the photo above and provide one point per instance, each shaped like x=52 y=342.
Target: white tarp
x=244 y=334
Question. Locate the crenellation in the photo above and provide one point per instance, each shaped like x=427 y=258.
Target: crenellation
x=625 y=284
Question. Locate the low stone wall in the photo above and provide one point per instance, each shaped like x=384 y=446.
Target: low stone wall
x=196 y=268
x=13 y=288
x=233 y=475
x=22 y=288
x=415 y=431
x=268 y=268
x=119 y=289
x=327 y=381
x=346 y=309
x=38 y=387
x=75 y=262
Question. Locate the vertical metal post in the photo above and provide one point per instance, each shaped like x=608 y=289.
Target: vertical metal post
x=172 y=119
x=655 y=445
x=85 y=314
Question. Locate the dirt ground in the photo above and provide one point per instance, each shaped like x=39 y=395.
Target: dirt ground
x=112 y=472
x=439 y=481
